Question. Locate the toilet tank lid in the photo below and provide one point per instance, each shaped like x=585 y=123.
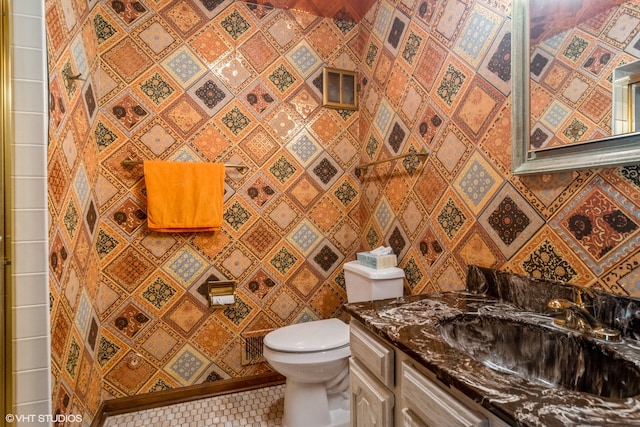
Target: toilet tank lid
x=312 y=336
x=372 y=273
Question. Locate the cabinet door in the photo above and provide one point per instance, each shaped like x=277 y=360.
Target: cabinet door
x=371 y=402
x=409 y=419
x=432 y=404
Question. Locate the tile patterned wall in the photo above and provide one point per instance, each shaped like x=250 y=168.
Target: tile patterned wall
x=438 y=76
x=200 y=80
x=191 y=81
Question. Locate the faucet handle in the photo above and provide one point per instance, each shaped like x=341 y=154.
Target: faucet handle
x=578 y=296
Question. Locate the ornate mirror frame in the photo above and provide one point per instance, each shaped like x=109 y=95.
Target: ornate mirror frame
x=617 y=150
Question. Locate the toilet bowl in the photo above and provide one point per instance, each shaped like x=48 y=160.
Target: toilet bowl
x=314 y=356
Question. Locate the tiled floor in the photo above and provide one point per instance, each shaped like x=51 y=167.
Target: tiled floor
x=255 y=408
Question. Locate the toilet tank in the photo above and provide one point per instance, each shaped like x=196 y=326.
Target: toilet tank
x=368 y=284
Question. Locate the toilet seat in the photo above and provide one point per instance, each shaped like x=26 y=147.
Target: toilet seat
x=309 y=337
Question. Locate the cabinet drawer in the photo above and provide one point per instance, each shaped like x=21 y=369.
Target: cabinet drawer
x=433 y=405
x=371 y=352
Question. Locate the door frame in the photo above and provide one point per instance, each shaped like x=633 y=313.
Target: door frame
x=6 y=299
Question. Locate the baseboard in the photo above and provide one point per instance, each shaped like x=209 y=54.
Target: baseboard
x=183 y=394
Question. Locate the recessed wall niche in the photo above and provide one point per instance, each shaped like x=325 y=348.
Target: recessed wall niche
x=339 y=89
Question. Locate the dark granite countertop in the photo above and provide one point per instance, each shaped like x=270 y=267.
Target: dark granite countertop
x=412 y=323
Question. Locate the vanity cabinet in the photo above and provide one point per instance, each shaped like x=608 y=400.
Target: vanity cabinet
x=390 y=388
x=371 y=378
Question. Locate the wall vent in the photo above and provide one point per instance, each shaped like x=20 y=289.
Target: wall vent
x=253 y=346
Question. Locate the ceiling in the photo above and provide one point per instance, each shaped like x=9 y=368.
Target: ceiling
x=551 y=17
x=351 y=10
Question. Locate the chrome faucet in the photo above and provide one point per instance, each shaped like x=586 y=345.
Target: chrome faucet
x=578 y=315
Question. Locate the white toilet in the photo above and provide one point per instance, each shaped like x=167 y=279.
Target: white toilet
x=314 y=356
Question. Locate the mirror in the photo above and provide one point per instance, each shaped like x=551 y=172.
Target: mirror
x=594 y=147
x=626 y=98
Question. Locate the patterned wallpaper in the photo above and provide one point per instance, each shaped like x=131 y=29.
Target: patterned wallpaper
x=201 y=80
x=438 y=75
x=195 y=81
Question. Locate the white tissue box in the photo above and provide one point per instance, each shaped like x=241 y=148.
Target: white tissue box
x=377 y=261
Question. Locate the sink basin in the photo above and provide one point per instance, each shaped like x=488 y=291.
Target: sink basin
x=547 y=356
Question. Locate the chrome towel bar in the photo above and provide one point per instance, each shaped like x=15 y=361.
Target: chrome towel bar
x=365 y=166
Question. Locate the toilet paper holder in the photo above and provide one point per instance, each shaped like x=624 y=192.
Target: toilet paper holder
x=222 y=293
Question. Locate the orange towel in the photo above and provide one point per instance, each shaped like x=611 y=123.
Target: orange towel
x=184 y=196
